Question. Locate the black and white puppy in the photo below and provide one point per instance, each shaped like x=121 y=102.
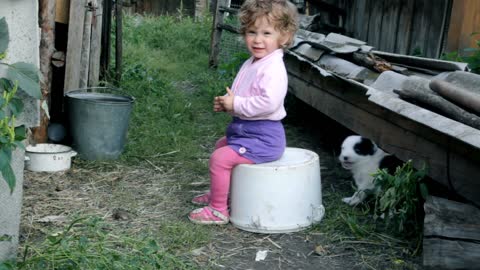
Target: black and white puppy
x=362 y=157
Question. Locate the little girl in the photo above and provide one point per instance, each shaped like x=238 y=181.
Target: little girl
x=256 y=134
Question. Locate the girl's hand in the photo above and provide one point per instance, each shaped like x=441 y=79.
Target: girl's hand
x=224 y=103
x=217 y=107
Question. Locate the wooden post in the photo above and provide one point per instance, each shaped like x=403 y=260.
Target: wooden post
x=106 y=26
x=118 y=41
x=47 y=48
x=216 y=32
x=85 y=55
x=95 y=44
x=75 y=37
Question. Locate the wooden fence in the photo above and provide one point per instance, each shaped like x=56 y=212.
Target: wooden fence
x=415 y=27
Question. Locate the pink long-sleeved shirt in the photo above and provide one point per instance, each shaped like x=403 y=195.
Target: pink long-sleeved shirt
x=260 y=88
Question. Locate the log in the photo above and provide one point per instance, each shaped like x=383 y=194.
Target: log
x=461 y=96
x=372 y=61
x=451 y=235
x=47 y=48
x=446 y=107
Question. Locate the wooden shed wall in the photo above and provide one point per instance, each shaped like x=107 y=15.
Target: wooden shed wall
x=464 y=20
x=413 y=27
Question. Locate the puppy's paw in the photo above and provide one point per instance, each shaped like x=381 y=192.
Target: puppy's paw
x=347 y=200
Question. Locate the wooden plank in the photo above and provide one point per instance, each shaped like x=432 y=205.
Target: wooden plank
x=404 y=31
x=407 y=139
x=450 y=219
x=420 y=28
x=85 y=55
x=75 y=36
x=358 y=17
x=389 y=24
x=447 y=254
x=451 y=235
x=95 y=45
x=62 y=11
x=437 y=19
x=375 y=24
x=464 y=21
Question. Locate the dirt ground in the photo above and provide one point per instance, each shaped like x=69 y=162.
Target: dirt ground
x=134 y=198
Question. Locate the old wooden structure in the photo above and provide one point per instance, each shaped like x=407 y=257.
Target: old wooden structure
x=414 y=27
x=451 y=235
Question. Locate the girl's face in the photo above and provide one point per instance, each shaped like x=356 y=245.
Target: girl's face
x=262 y=38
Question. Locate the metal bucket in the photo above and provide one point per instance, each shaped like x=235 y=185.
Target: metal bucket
x=98 y=119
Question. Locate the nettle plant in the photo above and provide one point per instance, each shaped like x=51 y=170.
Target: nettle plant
x=14 y=78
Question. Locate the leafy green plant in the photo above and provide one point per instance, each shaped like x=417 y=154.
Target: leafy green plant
x=13 y=77
x=400 y=198
x=471 y=56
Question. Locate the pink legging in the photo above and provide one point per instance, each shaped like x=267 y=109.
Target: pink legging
x=222 y=162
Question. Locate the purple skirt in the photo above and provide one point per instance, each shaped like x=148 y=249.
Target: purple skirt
x=258 y=140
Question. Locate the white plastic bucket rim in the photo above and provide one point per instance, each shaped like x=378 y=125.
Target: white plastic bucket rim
x=46 y=157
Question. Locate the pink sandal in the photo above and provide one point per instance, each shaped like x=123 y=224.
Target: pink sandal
x=208 y=215
x=203 y=199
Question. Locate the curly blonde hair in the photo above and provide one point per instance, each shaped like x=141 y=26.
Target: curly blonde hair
x=280 y=13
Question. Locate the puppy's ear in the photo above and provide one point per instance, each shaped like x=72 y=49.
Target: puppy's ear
x=366 y=147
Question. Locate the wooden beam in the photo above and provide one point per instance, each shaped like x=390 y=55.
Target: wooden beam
x=451 y=235
x=74 y=45
x=450 y=161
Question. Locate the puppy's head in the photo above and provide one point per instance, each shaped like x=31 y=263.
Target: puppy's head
x=356 y=149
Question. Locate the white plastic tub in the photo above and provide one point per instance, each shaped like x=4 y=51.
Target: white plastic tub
x=45 y=157
x=280 y=196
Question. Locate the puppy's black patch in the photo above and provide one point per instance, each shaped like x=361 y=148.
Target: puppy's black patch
x=364 y=147
x=390 y=163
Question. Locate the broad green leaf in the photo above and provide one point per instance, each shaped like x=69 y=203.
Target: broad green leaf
x=16 y=106
x=3 y=35
x=20 y=133
x=5 y=157
x=2 y=114
x=5 y=84
x=27 y=77
x=9 y=177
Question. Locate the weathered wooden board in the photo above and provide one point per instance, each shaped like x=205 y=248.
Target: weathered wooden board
x=400 y=26
x=451 y=235
x=85 y=55
x=464 y=21
x=74 y=45
x=451 y=156
x=403 y=39
x=95 y=45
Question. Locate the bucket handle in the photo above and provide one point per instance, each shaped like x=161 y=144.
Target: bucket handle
x=73 y=153
x=99 y=89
